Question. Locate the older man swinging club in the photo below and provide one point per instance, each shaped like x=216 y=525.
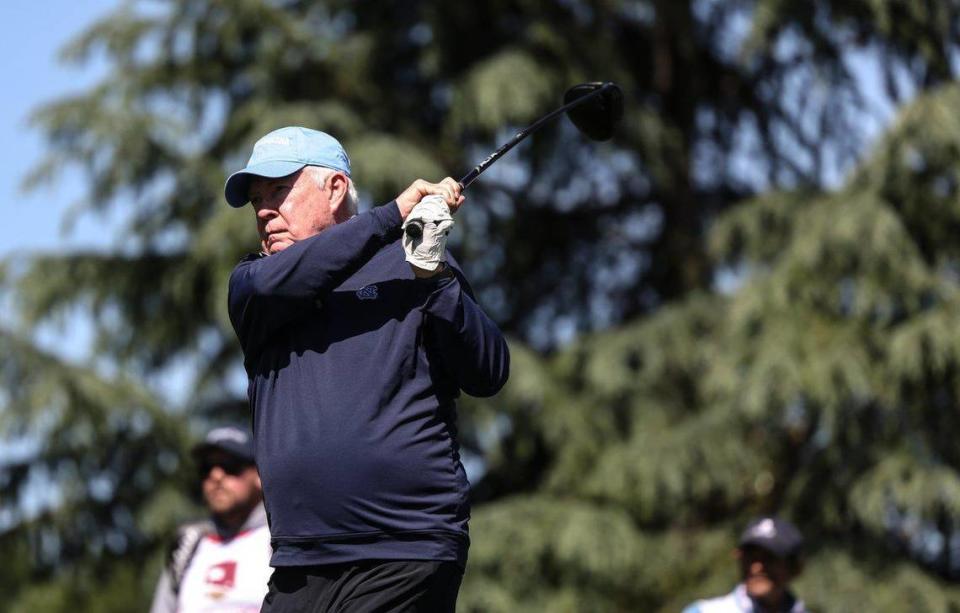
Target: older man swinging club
x=356 y=347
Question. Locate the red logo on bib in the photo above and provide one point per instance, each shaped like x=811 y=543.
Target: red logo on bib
x=223 y=574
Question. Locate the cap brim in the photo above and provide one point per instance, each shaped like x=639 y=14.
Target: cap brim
x=237 y=187
x=201 y=449
x=776 y=549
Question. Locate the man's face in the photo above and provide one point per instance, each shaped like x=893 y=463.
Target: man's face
x=231 y=486
x=765 y=575
x=292 y=208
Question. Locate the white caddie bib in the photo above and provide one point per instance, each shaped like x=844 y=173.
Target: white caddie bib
x=227 y=577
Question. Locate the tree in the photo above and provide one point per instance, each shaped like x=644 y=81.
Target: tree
x=824 y=387
x=725 y=100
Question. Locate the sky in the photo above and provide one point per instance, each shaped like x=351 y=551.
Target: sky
x=29 y=50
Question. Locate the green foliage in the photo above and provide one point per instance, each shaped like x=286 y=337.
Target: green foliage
x=487 y=102
x=561 y=554
x=91 y=478
x=903 y=481
x=839 y=581
x=383 y=160
x=823 y=386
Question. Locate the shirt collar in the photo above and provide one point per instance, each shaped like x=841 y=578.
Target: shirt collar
x=791 y=603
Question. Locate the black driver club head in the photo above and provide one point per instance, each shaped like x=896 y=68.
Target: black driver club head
x=598 y=117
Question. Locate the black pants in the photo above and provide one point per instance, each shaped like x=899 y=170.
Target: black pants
x=412 y=586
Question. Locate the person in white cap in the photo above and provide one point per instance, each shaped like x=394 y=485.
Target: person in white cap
x=222 y=564
x=356 y=345
x=769 y=554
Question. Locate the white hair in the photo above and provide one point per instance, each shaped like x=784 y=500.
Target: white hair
x=320 y=175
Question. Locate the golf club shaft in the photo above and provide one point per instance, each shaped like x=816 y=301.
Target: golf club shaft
x=471 y=176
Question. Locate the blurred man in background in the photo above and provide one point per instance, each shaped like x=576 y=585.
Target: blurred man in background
x=221 y=564
x=769 y=554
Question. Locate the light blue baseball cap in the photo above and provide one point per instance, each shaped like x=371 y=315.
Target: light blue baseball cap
x=283 y=152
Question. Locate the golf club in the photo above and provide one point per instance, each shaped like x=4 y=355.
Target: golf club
x=594 y=108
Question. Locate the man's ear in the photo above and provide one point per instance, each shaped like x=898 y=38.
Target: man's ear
x=338 y=185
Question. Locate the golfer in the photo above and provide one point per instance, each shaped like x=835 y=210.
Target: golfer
x=355 y=359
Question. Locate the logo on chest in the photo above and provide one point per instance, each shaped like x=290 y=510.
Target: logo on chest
x=368 y=292
x=223 y=575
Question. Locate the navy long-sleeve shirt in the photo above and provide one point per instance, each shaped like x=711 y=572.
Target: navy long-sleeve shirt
x=354 y=366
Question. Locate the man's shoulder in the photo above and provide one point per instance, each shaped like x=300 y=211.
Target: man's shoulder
x=720 y=604
x=250 y=257
x=393 y=258
x=387 y=263
x=244 y=262
x=188 y=535
x=199 y=526
x=182 y=549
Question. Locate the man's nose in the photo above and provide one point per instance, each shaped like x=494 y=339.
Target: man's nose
x=266 y=212
x=216 y=473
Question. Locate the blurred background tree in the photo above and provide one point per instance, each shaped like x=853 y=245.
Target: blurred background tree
x=734 y=307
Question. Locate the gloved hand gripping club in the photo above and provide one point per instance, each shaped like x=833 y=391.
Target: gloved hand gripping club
x=425 y=233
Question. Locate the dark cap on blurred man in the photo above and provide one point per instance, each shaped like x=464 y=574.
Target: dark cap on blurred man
x=778 y=536
x=230 y=439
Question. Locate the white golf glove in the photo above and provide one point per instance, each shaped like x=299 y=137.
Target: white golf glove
x=425 y=233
